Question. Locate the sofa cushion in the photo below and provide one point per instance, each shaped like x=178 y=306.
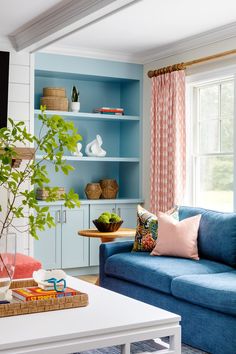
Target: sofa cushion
x=217 y=234
x=147 y=229
x=177 y=238
x=157 y=272
x=213 y=291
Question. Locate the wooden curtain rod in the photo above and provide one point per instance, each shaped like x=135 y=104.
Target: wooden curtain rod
x=182 y=66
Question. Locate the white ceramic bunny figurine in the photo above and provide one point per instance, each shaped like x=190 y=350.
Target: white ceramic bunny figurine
x=94 y=148
x=78 y=150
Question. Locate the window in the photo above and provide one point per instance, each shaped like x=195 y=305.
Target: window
x=213 y=153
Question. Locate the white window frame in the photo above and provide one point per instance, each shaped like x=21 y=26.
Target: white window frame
x=192 y=82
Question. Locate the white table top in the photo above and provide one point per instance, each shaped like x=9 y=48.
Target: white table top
x=107 y=312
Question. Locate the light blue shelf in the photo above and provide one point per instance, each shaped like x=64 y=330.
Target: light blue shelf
x=89 y=116
x=96 y=159
x=98 y=201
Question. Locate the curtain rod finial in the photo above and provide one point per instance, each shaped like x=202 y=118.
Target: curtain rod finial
x=150 y=73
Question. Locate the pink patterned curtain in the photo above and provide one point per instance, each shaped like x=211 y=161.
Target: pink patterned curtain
x=168 y=141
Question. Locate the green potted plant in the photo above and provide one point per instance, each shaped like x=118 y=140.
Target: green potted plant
x=75 y=104
x=56 y=136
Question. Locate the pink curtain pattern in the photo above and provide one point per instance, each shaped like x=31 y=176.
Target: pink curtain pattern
x=168 y=141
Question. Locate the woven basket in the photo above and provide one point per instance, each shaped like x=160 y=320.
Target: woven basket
x=22 y=308
x=105 y=227
x=55 y=103
x=109 y=188
x=93 y=191
x=54 y=91
x=42 y=193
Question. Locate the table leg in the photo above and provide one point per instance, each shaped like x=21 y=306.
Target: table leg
x=175 y=342
x=125 y=348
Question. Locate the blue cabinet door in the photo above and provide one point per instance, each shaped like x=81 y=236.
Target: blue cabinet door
x=48 y=248
x=75 y=248
x=128 y=213
x=95 y=211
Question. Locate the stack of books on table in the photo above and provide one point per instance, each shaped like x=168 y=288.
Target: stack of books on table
x=109 y=110
x=36 y=293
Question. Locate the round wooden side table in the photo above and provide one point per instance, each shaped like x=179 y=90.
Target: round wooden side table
x=108 y=236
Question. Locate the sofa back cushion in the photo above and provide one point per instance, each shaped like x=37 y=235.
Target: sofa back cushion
x=217 y=234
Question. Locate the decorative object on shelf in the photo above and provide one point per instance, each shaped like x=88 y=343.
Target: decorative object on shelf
x=7 y=264
x=21 y=153
x=108 y=222
x=44 y=193
x=75 y=104
x=54 y=92
x=54 y=98
x=109 y=188
x=78 y=150
x=110 y=110
x=93 y=191
x=42 y=278
x=94 y=148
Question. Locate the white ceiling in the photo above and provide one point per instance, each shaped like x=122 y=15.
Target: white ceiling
x=150 y=24
x=15 y=13
x=145 y=26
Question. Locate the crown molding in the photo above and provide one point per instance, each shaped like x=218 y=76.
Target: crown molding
x=185 y=45
x=5 y=44
x=62 y=20
x=91 y=53
x=203 y=39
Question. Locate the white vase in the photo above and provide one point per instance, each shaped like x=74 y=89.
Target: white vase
x=75 y=106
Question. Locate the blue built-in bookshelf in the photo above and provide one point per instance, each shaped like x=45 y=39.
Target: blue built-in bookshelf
x=101 y=83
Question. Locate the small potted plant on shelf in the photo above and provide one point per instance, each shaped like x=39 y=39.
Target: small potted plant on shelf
x=56 y=136
x=75 y=104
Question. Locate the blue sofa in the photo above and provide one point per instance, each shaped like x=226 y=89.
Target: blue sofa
x=203 y=292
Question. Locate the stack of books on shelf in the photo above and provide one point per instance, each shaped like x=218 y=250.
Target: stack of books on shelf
x=36 y=293
x=109 y=110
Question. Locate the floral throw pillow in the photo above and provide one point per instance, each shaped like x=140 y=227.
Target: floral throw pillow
x=147 y=229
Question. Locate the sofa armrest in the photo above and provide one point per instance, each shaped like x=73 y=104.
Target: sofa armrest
x=106 y=250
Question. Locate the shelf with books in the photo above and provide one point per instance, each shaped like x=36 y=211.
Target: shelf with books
x=90 y=116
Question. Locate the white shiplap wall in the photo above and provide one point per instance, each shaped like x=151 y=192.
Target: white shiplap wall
x=20 y=107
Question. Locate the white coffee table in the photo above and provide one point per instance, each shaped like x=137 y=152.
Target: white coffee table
x=109 y=319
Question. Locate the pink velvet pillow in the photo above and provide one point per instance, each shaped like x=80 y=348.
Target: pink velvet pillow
x=177 y=238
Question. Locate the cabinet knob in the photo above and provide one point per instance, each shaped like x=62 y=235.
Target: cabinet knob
x=64 y=217
x=58 y=217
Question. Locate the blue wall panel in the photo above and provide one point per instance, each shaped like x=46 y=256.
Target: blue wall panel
x=87 y=66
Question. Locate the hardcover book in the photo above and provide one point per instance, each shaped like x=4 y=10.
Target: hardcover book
x=36 y=293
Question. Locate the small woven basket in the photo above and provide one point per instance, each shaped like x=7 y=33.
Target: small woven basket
x=55 y=103
x=42 y=193
x=26 y=307
x=105 y=227
x=109 y=188
x=93 y=191
x=54 y=91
